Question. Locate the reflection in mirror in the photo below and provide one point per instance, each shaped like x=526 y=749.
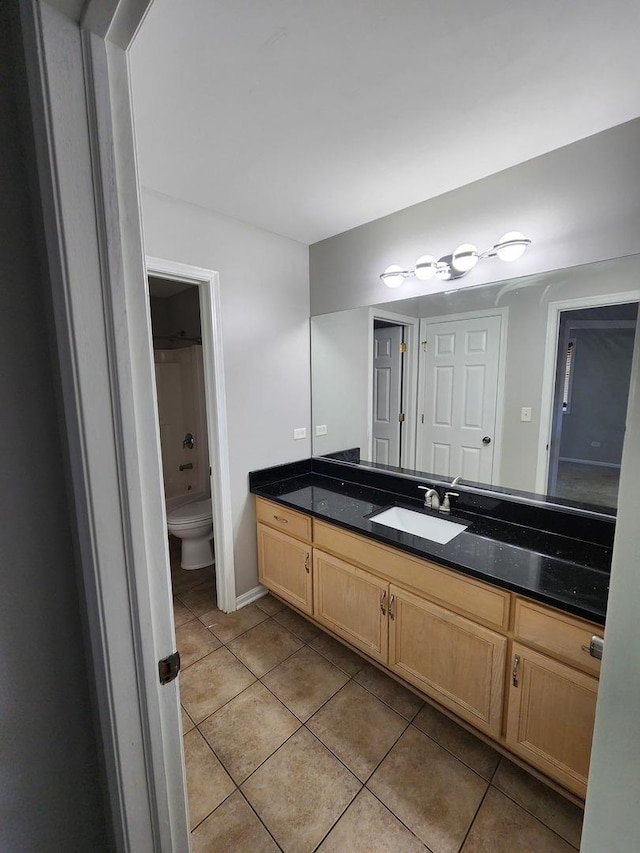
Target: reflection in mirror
x=520 y=385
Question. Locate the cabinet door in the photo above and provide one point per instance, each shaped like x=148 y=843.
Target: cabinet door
x=550 y=717
x=284 y=566
x=458 y=663
x=352 y=603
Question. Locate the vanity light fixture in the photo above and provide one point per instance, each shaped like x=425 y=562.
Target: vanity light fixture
x=509 y=247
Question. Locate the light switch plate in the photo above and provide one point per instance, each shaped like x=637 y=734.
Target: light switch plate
x=321 y=429
x=525 y=414
x=300 y=433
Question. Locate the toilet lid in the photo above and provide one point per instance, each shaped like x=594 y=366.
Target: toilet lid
x=196 y=511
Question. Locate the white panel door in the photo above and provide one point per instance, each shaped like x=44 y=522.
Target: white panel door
x=387 y=394
x=459 y=384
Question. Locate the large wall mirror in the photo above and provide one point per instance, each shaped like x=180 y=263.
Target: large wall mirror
x=521 y=385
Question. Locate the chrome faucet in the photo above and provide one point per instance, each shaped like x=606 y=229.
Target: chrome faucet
x=431 y=498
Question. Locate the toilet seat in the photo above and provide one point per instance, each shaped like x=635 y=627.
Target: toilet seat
x=192 y=513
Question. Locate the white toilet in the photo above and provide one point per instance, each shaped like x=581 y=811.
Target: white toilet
x=193 y=524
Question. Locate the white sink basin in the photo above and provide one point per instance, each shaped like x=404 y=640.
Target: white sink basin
x=439 y=530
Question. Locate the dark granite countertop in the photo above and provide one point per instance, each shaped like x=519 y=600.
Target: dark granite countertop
x=568 y=573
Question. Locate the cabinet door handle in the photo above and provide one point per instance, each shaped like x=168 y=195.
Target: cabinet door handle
x=281 y=519
x=383 y=601
x=392 y=602
x=306 y=562
x=595 y=647
x=514 y=671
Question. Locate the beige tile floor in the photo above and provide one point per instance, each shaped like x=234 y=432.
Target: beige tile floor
x=294 y=743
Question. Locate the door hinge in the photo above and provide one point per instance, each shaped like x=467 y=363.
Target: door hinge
x=403 y=347
x=401 y=417
x=168 y=668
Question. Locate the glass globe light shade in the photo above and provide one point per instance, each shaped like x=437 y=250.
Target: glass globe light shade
x=393 y=276
x=465 y=257
x=425 y=267
x=511 y=246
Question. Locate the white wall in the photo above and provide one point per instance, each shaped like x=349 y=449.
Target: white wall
x=264 y=281
x=50 y=775
x=340 y=377
x=578 y=204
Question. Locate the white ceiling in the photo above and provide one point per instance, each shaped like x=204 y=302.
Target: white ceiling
x=310 y=118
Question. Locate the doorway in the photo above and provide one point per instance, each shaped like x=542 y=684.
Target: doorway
x=388 y=368
x=393 y=380
x=593 y=372
x=181 y=401
x=174 y=278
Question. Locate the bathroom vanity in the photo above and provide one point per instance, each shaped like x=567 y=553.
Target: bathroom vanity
x=499 y=626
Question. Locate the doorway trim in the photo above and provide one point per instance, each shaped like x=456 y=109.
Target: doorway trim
x=550 y=367
x=409 y=392
x=208 y=284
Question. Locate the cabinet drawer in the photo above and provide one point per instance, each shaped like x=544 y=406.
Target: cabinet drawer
x=556 y=633
x=288 y=520
x=469 y=597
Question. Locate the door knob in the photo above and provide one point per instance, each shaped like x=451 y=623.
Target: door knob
x=188 y=441
x=486 y=440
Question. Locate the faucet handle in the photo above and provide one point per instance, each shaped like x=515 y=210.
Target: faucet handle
x=446 y=503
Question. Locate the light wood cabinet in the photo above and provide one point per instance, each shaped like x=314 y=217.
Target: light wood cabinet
x=479 y=601
x=284 y=566
x=447 y=635
x=352 y=603
x=457 y=662
x=550 y=716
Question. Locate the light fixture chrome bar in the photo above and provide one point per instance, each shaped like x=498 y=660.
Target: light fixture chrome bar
x=510 y=247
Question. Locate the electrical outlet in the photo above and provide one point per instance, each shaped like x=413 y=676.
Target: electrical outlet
x=525 y=414
x=300 y=433
x=595 y=444
x=321 y=429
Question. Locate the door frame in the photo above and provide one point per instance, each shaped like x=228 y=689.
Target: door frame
x=555 y=309
x=425 y=322
x=410 y=383
x=93 y=255
x=208 y=284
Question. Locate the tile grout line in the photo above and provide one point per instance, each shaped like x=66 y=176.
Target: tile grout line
x=533 y=815
x=474 y=818
x=262 y=823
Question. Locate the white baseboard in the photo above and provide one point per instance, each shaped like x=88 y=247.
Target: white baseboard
x=588 y=462
x=251 y=596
